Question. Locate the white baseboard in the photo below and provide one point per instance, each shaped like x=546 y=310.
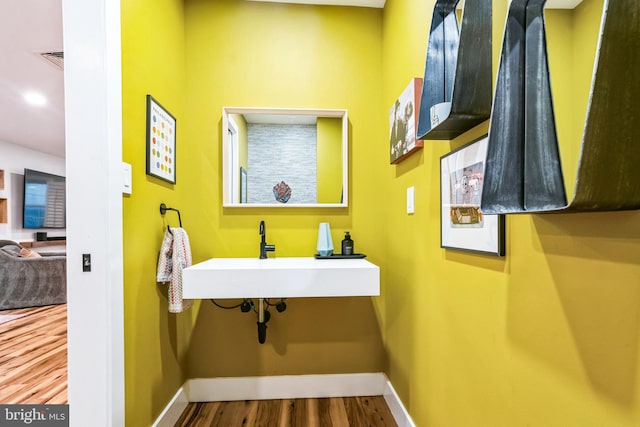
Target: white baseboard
x=284 y=387
x=398 y=410
x=174 y=409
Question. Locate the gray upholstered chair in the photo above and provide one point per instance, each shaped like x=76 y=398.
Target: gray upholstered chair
x=30 y=282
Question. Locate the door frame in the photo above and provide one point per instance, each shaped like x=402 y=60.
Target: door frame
x=93 y=126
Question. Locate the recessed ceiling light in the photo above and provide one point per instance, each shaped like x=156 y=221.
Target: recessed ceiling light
x=35 y=98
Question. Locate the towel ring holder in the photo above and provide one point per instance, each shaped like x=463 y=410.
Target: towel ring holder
x=164 y=209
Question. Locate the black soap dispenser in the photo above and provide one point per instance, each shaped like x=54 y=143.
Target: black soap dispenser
x=347 y=244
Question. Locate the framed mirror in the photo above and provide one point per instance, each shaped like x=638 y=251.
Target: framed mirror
x=284 y=157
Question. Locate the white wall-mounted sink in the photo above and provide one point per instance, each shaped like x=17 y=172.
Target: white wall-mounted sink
x=280 y=277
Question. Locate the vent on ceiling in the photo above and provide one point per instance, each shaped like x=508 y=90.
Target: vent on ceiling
x=56 y=58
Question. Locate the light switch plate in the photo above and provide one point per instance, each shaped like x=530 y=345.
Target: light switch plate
x=126 y=178
x=410 y=200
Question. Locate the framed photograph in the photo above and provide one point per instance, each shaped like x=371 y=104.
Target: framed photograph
x=161 y=142
x=243 y=185
x=403 y=122
x=463 y=226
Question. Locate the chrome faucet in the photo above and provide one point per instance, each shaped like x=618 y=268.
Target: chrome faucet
x=264 y=247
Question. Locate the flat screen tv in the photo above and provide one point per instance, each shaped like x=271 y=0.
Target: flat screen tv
x=44 y=200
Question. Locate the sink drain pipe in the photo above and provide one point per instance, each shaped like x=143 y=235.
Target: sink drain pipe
x=263 y=312
x=262 y=324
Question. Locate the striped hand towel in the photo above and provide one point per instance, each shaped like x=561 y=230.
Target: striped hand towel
x=175 y=254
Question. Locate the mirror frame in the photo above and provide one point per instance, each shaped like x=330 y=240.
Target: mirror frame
x=335 y=113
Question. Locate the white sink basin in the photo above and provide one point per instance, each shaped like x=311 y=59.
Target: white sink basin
x=280 y=277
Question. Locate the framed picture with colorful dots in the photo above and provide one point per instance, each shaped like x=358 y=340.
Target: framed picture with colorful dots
x=161 y=142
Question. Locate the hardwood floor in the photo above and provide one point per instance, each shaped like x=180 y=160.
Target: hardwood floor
x=33 y=356
x=33 y=370
x=369 y=411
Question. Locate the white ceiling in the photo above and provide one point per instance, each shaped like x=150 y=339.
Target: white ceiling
x=28 y=28
x=31 y=27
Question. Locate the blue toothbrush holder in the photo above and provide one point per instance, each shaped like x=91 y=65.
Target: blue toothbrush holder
x=325 y=244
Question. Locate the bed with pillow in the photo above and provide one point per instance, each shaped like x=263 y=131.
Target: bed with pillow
x=30 y=280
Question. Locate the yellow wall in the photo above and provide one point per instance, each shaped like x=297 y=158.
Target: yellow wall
x=155 y=340
x=329 y=160
x=573 y=35
x=254 y=54
x=279 y=56
x=547 y=336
